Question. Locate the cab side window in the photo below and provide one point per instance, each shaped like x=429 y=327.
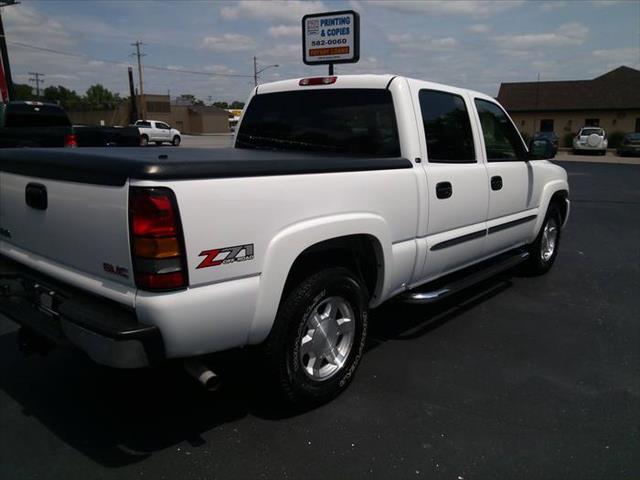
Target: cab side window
x=447 y=127
x=501 y=139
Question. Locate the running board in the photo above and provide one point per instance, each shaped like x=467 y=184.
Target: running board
x=431 y=296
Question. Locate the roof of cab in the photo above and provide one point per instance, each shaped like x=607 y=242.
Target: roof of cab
x=355 y=81
x=342 y=81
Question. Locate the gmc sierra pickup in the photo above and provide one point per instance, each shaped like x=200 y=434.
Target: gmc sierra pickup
x=341 y=193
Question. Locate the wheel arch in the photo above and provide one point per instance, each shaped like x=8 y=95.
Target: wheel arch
x=333 y=240
x=554 y=192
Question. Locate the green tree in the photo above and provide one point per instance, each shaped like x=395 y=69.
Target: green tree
x=69 y=99
x=22 y=91
x=100 y=98
x=237 y=105
x=191 y=99
x=221 y=104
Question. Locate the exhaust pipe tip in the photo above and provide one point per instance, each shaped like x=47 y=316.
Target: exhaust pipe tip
x=206 y=377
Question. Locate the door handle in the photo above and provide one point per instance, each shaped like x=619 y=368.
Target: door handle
x=444 y=190
x=35 y=195
x=496 y=183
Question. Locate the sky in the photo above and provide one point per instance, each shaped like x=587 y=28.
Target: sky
x=468 y=43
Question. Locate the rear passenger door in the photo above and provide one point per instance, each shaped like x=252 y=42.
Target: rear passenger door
x=510 y=216
x=458 y=191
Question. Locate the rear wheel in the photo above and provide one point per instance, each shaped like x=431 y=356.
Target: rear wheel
x=543 y=251
x=176 y=141
x=318 y=337
x=144 y=140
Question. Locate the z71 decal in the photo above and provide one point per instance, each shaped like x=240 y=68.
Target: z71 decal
x=222 y=256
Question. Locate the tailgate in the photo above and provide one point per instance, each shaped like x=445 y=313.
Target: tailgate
x=78 y=225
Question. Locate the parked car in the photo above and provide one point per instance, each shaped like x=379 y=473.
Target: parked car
x=37 y=124
x=630 y=145
x=158 y=132
x=550 y=136
x=590 y=139
x=362 y=200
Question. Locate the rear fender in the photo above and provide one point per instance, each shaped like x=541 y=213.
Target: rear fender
x=289 y=243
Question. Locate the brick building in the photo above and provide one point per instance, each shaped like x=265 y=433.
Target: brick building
x=610 y=101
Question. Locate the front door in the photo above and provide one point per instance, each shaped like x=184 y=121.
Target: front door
x=458 y=191
x=510 y=218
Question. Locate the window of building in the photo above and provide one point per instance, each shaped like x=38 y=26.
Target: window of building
x=447 y=127
x=591 y=122
x=501 y=139
x=546 y=125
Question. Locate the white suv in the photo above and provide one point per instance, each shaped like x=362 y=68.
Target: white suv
x=590 y=139
x=158 y=132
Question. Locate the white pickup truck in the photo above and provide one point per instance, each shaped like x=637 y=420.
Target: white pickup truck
x=158 y=132
x=340 y=194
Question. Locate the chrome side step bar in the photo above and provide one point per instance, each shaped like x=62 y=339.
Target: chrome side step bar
x=431 y=296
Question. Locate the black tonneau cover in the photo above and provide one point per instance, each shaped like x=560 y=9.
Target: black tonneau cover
x=105 y=166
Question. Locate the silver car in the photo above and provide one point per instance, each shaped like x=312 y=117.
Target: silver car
x=590 y=139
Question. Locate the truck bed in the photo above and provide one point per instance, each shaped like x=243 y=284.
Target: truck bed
x=113 y=167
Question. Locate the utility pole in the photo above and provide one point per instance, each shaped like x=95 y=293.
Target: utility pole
x=255 y=72
x=4 y=55
x=37 y=79
x=132 y=94
x=143 y=110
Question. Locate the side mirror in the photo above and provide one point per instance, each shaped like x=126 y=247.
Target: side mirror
x=541 y=149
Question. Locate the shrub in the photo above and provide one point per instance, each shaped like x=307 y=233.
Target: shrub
x=567 y=140
x=615 y=139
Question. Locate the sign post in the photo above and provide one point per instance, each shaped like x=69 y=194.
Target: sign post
x=331 y=37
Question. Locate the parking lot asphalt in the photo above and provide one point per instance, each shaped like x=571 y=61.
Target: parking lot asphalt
x=519 y=377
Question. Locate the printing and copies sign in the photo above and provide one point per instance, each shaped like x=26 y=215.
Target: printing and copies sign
x=331 y=37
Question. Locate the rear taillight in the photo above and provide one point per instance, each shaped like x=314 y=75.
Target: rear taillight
x=70 y=140
x=157 y=245
x=305 y=82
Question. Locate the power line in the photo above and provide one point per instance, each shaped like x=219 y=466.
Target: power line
x=115 y=62
x=37 y=80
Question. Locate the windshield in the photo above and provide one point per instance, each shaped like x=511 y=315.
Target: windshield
x=342 y=121
x=591 y=131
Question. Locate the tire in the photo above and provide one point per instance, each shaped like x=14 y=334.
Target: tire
x=291 y=364
x=176 y=141
x=144 y=141
x=540 y=259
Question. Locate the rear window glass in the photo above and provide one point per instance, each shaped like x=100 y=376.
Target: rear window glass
x=341 y=121
x=447 y=127
x=590 y=131
x=26 y=115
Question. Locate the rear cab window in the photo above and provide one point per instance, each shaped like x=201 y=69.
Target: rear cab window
x=447 y=127
x=341 y=121
x=20 y=115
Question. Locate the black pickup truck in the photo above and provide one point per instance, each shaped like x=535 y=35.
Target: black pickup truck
x=37 y=124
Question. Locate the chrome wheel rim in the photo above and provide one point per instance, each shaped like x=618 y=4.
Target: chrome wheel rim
x=549 y=239
x=327 y=338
